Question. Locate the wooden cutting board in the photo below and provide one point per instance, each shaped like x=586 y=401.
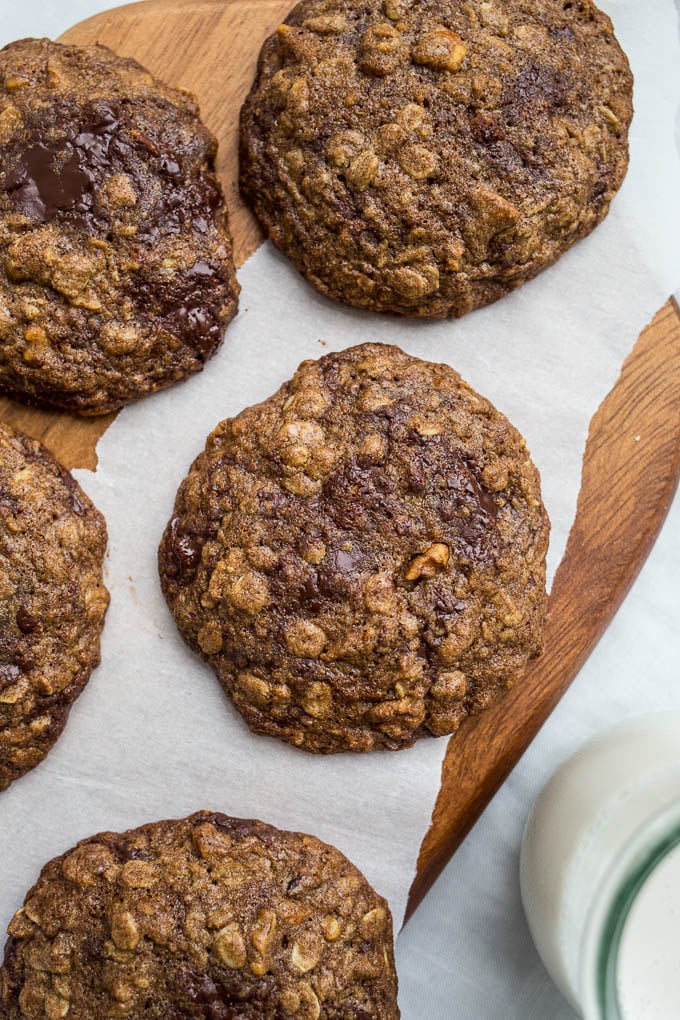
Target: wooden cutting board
x=632 y=461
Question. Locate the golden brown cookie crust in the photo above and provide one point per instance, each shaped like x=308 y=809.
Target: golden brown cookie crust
x=361 y=558
x=208 y=917
x=426 y=158
x=116 y=267
x=52 y=599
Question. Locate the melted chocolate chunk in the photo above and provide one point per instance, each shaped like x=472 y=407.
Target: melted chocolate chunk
x=182 y=203
x=480 y=493
x=76 y=492
x=41 y=187
x=185 y=551
x=334 y=576
x=197 y=316
x=239 y=828
x=221 y=1000
x=190 y=305
x=51 y=179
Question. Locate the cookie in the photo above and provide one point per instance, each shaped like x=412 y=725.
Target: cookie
x=361 y=558
x=427 y=158
x=116 y=268
x=209 y=917
x=52 y=599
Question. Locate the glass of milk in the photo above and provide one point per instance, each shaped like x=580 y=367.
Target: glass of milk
x=600 y=873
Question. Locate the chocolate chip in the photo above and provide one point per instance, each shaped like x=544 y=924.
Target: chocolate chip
x=26 y=622
x=185 y=550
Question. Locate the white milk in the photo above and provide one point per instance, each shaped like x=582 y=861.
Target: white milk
x=648 y=973
x=603 y=813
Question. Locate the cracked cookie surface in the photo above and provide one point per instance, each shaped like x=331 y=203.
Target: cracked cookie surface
x=426 y=158
x=361 y=558
x=116 y=268
x=52 y=599
x=208 y=917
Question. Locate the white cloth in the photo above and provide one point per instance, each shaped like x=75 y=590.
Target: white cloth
x=467 y=954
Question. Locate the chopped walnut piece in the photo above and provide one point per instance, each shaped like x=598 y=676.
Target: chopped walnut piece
x=428 y=564
x=440 y=49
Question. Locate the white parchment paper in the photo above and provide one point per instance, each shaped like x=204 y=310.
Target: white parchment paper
x=153 y=736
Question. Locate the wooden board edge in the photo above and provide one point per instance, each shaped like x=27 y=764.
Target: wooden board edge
x=133 y=8
x=601 y=564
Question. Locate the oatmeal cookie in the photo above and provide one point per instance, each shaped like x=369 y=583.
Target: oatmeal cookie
x=116 y=268
x=52 y=599
x=361 y=558
x=209 y=917
x=426 y=158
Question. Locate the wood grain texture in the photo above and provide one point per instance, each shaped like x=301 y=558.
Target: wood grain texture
x=632 y=462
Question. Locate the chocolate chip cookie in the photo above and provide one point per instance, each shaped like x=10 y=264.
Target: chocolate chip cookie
x=116 y=269
x=52 y=599
x=361 y=558
x=209 y=917
x=426 y=158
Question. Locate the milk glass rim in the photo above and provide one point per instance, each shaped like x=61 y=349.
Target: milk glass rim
x=641 y=857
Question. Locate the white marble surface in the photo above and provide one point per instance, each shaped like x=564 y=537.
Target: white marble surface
x=467 y=954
